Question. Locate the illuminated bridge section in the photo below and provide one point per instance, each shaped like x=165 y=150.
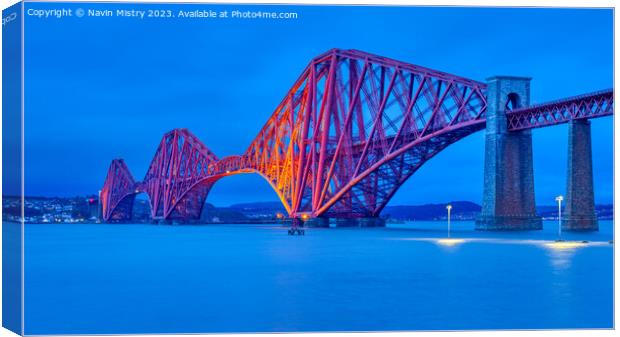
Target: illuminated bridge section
x=355 y=126
x=349 y=132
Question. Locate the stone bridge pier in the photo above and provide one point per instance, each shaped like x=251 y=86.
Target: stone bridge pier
x=579 y=213
x=508 y=201
x=508 y=198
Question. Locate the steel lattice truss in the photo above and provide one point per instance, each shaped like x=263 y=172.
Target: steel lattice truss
x=176 y=181
x=587 y=106
x=350 y=131
x=354 y=126
x=118 y=192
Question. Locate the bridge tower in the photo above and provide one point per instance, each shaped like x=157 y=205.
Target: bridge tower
x=579 y=212
x=508 y=200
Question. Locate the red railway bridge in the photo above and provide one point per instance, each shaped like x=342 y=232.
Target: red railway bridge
x=355 y=126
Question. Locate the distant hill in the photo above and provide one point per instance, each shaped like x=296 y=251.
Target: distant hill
x=211 y=213
x=259 y=210
x=84 y=209
x=603 y=212
x=263 y=205
x=461 y=210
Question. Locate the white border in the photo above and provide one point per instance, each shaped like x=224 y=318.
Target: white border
x=469 y=3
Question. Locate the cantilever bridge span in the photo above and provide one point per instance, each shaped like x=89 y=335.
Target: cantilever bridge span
x=350 y=131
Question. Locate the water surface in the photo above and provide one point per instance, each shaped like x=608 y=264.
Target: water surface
x=129 y=278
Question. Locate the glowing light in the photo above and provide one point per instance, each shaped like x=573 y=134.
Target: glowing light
x=305 y=217
x=565 y=245
x=450 y=242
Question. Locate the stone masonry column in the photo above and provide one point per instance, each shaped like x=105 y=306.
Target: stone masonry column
x=579 y=211
x=508 y=199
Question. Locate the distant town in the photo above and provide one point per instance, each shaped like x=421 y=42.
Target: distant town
x=86 y=210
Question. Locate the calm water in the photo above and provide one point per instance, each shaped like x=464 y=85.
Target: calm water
x=236 y=278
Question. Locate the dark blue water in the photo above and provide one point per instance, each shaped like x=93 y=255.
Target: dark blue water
x=234 y=278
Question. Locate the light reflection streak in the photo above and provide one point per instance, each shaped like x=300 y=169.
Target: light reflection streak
x=450 y=242
x=560 y=253
x=547 y=244
x=565 y=245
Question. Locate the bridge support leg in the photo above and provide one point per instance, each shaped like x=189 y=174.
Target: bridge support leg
x=508 y=199
x=579 y=212
x=360 y=222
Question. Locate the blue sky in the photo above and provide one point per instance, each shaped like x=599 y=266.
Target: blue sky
x=102 y=88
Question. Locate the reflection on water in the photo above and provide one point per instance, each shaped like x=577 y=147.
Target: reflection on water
x=109 y=279
x=450 y=242
x=561 y=253
x=565 y=245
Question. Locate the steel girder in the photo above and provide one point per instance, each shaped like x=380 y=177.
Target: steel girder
x=597 y=104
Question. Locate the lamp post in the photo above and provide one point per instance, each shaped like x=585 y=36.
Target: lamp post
x=449 y=208
x=559 y=199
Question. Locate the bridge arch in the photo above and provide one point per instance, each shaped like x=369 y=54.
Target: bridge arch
x=199 y=192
